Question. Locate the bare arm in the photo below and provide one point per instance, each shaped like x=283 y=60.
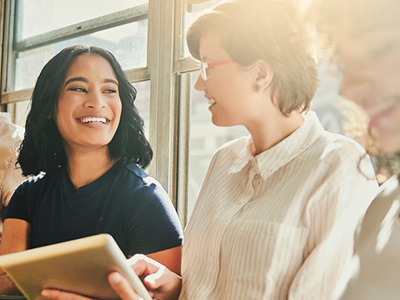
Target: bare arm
x=159 y=280
x=170 y=258
x=15 y=238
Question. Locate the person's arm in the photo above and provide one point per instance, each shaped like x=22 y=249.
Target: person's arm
x=161 y=282
x=170 y=258
x=15 y=238
x=153 y=227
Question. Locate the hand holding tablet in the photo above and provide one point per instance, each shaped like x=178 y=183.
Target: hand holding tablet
x=80 y=266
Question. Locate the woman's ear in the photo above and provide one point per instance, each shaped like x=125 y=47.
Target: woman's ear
x=264 y=75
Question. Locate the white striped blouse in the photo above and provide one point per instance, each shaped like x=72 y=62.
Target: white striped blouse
x=279 y=225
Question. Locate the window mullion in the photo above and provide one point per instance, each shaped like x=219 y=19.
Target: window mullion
x=83 y=28
x=160 y=55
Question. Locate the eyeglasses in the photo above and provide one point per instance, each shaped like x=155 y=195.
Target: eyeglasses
x=204 y=66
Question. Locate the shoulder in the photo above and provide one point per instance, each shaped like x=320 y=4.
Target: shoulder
x=229 y=152
x=144 y=184
x=234 y=148
x=141 y=176
x=337 y=148
x=40 y=181
x=33 y=183
x=29 y=190
x=234 y=144
x=136 y=171
x=328 y=144
x=337 y=160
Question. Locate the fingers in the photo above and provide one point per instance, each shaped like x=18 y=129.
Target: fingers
x=164 y=284
x=122 y=287
x=159 y=280
x=144 y=265
x=156 y=280
x=58 y=295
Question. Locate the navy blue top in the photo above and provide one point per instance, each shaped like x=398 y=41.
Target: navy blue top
x=125 y=202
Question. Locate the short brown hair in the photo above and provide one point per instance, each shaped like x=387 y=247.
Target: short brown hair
x=269 y=30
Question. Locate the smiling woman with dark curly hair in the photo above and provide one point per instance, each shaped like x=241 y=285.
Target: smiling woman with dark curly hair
x=85 y=147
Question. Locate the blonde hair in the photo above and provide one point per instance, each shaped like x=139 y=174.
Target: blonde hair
x=268 y=30
x=333 y=18
x=356 y=127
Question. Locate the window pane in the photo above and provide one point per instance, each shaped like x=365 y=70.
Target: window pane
x=194 y=9
x=128 y=43
x=205 y=139
x=55 y=14
x=142 y=103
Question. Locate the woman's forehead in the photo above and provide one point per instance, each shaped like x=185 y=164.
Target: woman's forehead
x=90 y=64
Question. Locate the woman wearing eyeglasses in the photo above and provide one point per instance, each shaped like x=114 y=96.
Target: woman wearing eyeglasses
x=276 y=214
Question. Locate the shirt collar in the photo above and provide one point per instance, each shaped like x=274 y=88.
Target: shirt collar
x=267 y=162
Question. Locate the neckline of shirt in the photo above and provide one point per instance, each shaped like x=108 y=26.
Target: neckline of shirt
x=88 y=189
x=274 y=158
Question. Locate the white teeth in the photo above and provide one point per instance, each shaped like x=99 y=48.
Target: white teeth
x=211 y=101
x=93 y=120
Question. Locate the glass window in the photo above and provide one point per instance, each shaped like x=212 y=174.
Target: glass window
x=194 y=9
x=127 y=42
x=205 y=139
x=118 y=26
x=142 y=103
x=55 y=14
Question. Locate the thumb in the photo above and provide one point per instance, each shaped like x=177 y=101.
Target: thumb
x=155 y=280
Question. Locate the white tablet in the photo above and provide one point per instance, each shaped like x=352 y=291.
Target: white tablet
x=80 y=266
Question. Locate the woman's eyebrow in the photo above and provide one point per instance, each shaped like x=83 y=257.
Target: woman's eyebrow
x=83 y=79
x=111 y=81
x=76 y=79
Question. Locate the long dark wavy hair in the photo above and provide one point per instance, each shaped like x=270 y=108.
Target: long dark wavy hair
x=42 y=149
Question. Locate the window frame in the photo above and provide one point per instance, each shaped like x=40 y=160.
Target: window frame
x=10 y=49
x=167 y=70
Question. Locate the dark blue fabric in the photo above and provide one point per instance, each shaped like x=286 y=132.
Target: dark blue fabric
x=125 y=202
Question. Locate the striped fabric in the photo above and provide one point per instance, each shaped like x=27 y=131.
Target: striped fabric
x=376 y=263
x=279 y=225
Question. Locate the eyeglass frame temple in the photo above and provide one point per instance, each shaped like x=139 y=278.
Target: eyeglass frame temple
x=204 y=66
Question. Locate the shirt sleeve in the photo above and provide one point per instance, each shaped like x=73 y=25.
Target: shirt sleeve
x=333 y=222
x=155 y=225
x=17 y=208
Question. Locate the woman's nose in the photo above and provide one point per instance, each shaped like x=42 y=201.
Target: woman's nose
x=199 y=85
x=95 y=100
